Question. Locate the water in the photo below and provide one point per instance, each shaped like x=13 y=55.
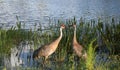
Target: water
x=35 y=11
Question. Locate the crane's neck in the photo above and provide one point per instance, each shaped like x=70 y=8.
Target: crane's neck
x=60 y=34
x=74 y=38
x=56 y=42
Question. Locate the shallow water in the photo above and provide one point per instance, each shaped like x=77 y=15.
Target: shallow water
x=36 y=11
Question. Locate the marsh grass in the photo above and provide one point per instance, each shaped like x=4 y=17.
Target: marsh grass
x=90 y=62
x=106 y=37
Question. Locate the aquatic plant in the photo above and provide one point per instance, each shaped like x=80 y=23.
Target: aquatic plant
x=90 y=56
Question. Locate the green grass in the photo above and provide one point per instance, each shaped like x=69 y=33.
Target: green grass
x=90 y=62
x=106 y=35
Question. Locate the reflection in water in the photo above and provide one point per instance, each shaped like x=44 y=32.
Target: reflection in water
x=31 y=11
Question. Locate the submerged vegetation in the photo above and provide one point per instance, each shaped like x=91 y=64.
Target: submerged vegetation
x=100 y=38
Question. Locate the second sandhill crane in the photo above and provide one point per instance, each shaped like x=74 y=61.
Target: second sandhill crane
x=47 y=50
x=78 y=49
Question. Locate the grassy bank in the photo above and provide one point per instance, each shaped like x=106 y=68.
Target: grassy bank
x=106 y=35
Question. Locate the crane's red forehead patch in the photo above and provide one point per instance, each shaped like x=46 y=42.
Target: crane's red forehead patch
x=63 y=25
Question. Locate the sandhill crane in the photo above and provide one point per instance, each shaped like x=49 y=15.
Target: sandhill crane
x=78 y=49
x=47 y=50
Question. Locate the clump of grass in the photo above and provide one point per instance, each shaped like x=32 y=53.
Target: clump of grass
x=112 y=63
x=90 y=56
x=11 y=38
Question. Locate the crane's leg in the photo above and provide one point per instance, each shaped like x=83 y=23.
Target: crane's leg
x=44 y=61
